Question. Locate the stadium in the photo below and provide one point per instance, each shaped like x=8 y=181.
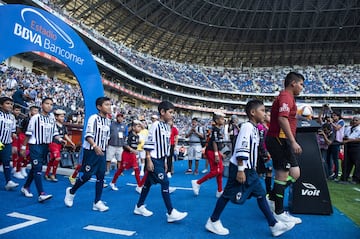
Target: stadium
x=204 y=56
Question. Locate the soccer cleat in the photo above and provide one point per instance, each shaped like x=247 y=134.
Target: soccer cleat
x=189 y=171
x=69 y=198
x=113 y=187
x=281 y=227
x=169 y=175
x=44 y=197
x=218 y=194
x=53 y=178
x=204 y=171
x=26 y=192
x=100 y=206
x=11 y=185
x=176 y=215
x=216 y=227
x=172 y=189
x=138 y=189
x=18 y=175
x=47 y=177
x=286 y=217
x=196 y=172
x=142 y=211
x=271 y=203
x=195 y=187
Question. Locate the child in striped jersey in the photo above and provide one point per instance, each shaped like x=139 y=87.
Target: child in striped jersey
x=94 y=154
x=243 y=181
x=39 y=134
x=157 y=147
x=7 y=133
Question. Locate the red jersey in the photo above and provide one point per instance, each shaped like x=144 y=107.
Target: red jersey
x=283 y=106
x=173 y=133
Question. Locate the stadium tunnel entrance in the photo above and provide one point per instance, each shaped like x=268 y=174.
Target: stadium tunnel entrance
x=28 y=29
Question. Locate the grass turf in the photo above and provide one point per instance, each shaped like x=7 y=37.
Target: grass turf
x=346 y=198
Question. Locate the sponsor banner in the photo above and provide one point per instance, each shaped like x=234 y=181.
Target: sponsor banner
x=28 y=29
x=310 y=193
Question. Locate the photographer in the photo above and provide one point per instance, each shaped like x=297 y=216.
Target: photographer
x=233 y=130
x=325 y=137
x=325 y=113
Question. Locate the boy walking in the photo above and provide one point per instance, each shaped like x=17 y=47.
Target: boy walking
x=129 y=155
x=7 y=133
x=55 y=147
x=157 y=148
x=214 y=156
x=94 y=154
x=39 y=135
x=243 y=181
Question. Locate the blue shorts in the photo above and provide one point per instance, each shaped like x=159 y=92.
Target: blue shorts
x=93 y=163
x=5 y=154
x=158 y=175
x=238 y=192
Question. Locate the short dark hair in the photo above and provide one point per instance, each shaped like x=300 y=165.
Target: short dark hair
x=337 y=113
x=293 y=76
x=4 y=99
x=16 y=106
x=100 y=101
x=45 y=99
x=251 y=105
x=196 y=119
x=165 y=105
x=34 y=107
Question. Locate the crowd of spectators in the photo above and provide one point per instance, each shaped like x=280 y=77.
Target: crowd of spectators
x=27 y=88
x=319 y=79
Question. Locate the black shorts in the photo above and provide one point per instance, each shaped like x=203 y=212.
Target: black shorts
x=281 y=153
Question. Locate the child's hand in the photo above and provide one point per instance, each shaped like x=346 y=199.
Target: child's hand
x=98 y=151
x=241 y=177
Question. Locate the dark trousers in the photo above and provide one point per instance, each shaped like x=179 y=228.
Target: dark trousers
x=38 y=155
x=170 y=159
x=332 y=159
x=5 y=157
x=351 y=159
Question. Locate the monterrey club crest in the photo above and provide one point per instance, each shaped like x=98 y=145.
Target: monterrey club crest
x=87 y=168
x=161 y=176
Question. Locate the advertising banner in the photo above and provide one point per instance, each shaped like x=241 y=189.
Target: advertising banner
x=29 y=29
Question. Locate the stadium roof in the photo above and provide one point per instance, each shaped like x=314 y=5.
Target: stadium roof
x=230 y=33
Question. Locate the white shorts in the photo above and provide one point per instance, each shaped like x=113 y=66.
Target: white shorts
x=114 y=152
x=194 y=152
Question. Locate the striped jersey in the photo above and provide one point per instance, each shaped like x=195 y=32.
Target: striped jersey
x=158 y=141
x=41 y=129
x=7 y=127
x=247 y=144
x=97 y=128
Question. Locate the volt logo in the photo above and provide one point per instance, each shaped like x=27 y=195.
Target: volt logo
x=310 y=190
